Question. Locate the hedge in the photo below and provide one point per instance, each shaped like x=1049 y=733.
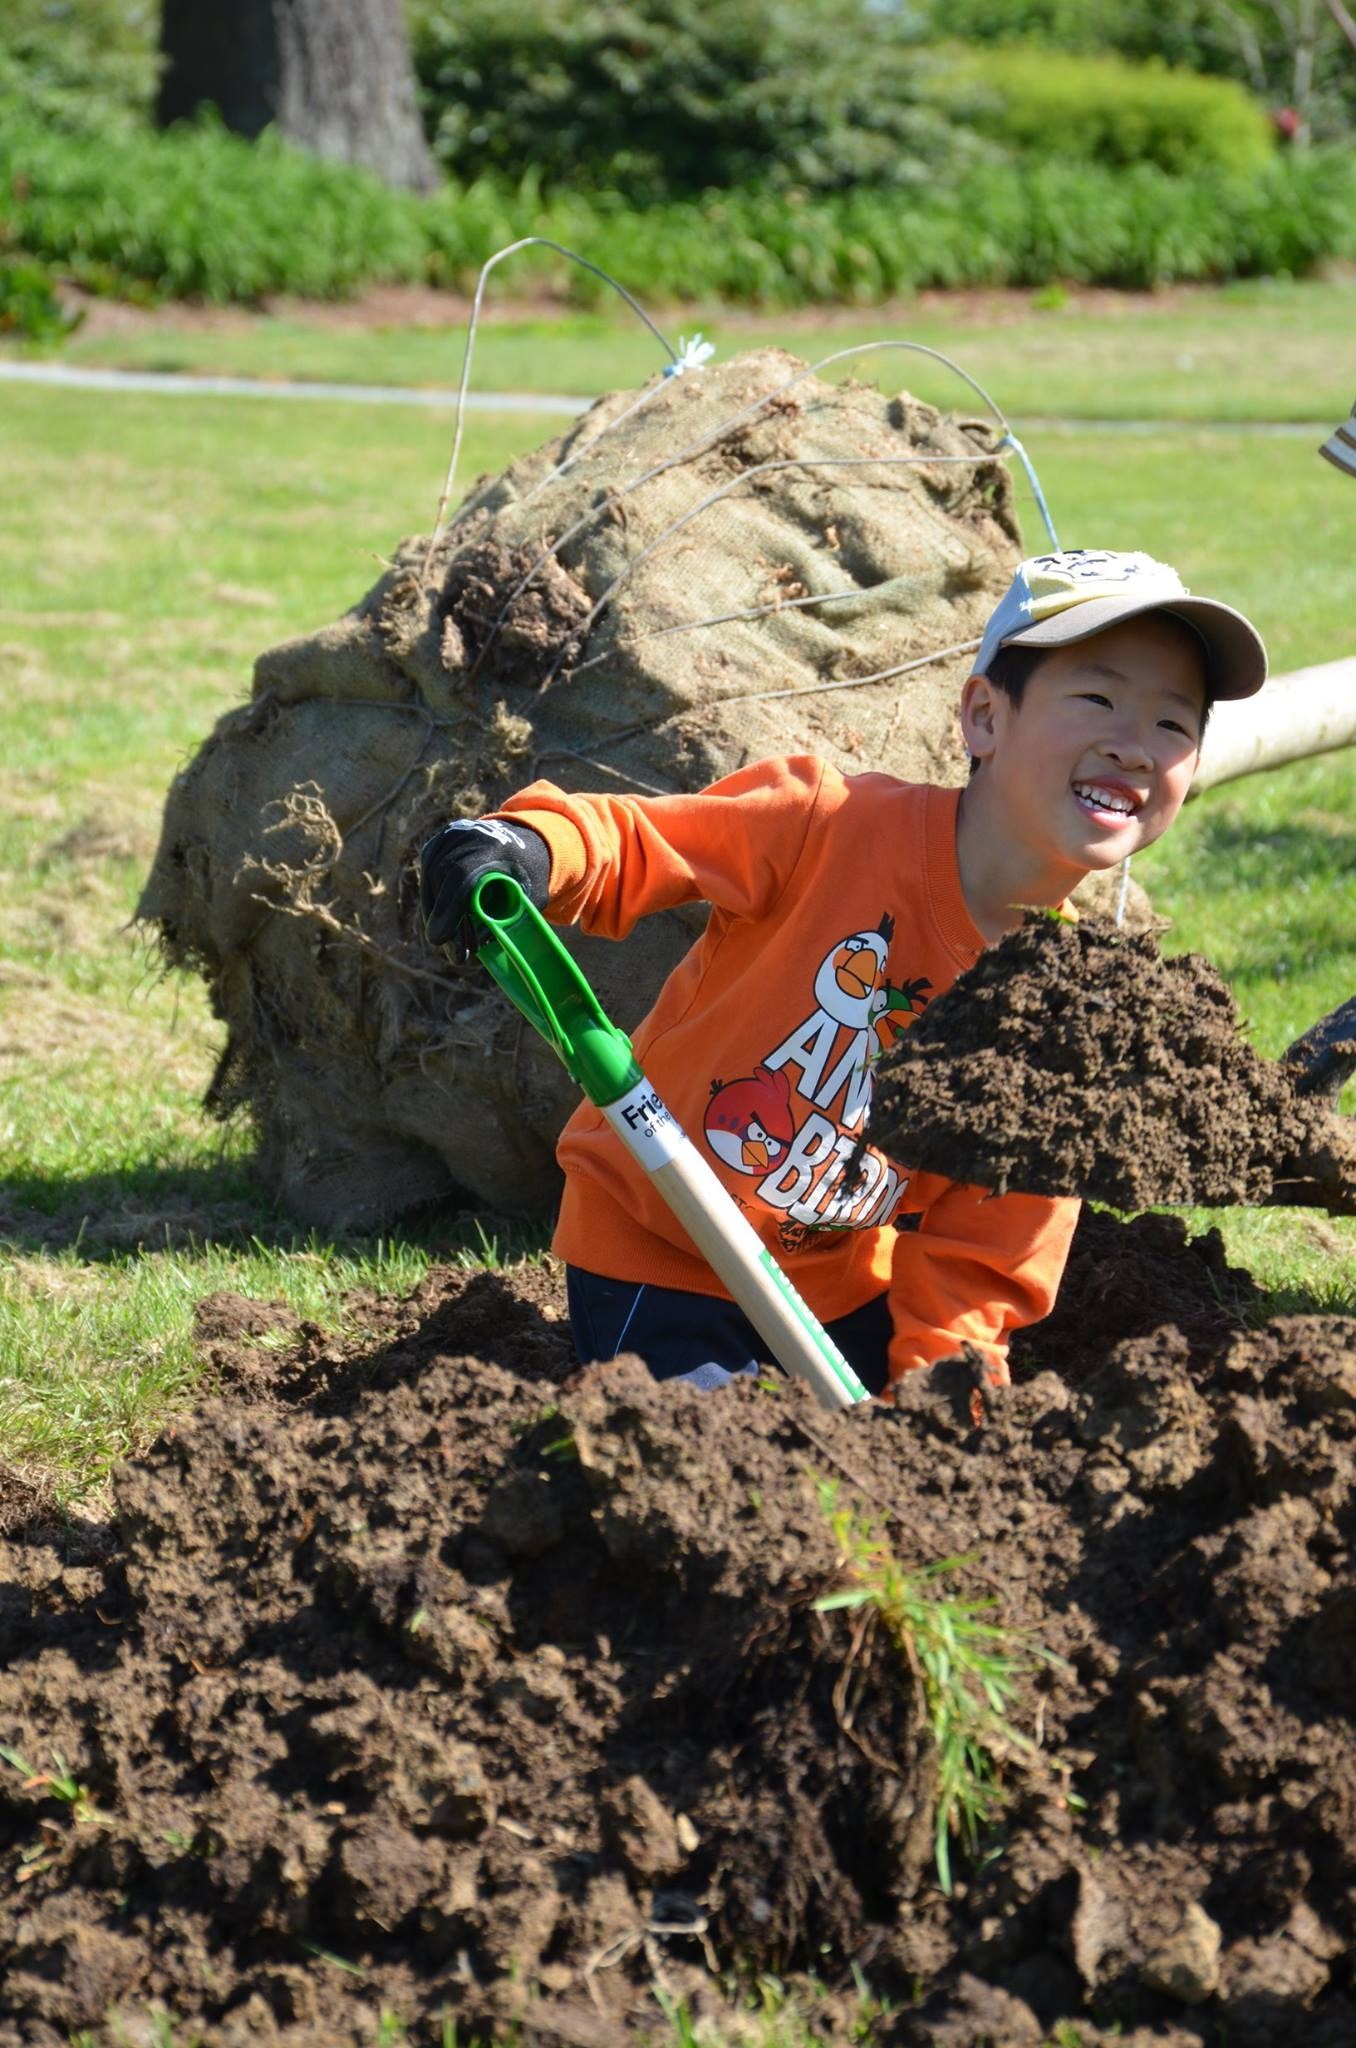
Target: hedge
x=1041 y=103
x=660 y=99
x=200 y=213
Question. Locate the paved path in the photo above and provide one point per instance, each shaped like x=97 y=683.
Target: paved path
x=72 y=377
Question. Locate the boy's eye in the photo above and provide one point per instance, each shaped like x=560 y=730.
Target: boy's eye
x=1174 y=725
x=1095 y=697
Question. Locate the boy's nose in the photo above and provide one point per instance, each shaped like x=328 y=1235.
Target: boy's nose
x=1128 y=749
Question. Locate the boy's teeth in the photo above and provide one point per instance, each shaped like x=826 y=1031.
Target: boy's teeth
x=1104 y=798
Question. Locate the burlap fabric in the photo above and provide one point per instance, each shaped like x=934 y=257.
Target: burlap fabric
x=605 y=626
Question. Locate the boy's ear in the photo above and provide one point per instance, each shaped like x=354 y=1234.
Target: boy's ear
x=978 y=709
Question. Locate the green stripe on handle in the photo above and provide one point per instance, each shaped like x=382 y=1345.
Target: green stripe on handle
x=520 y=950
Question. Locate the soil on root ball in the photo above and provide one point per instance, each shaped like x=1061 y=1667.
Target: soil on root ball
x=1073 y=1059
x=433 y=1677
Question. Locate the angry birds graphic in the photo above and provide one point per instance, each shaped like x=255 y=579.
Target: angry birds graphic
x=892 y=1007
x=850 y=975
x=748 y=1123
x=793 y=1126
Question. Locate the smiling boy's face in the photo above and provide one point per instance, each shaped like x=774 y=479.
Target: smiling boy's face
x=1096 y=760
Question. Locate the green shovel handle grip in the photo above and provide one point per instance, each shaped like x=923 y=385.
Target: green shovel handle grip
x=519 y=949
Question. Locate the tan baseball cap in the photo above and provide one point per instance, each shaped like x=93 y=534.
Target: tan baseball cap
x=1055 y=599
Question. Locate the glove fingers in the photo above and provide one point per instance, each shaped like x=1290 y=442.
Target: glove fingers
x=439 y=865
x=429 y=879
x=449 y=907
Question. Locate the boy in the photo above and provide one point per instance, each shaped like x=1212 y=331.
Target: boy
x=839 y=907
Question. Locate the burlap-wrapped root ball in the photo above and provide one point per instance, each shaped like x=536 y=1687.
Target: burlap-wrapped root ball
x=669 y=590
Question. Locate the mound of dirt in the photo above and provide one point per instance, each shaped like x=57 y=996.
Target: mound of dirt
x=1127 y=1279
x=1073 y=1059
x=432 y=1682
x=691 y=577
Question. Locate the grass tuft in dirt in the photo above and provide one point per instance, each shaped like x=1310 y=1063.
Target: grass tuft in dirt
x=59 y=1783
x=968 y=1665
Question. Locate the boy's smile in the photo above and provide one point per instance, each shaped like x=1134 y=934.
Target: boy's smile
x=1092 y=765
x=1107 y=800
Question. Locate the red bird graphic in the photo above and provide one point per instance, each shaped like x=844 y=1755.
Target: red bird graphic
x=748 y=1123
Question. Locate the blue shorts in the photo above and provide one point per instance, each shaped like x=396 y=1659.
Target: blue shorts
x=698 y=1337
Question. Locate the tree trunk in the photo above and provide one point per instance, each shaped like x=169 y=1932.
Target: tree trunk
x=1310 y=711
x=333 y=76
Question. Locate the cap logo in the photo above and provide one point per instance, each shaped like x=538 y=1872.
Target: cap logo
x=1045 y=585
x=1053 y=582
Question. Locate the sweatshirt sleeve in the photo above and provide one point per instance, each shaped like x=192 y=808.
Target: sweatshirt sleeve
x=617 y=858
x=978 y=1267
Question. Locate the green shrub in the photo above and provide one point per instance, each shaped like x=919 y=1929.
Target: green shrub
x=1181 y=32
x=1041 y=103
x=82 y=64
x=29 y=305
x=1257 y=42
x=663 y=98
x=998 y=226
x=197 y=212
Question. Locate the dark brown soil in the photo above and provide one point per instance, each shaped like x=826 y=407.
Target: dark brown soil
x=1073 y=1059
x=1128 y=1279
x=24 y=1501
x=419 y=1677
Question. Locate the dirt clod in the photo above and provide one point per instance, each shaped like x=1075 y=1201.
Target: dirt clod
x=1075 y=1059
x=1186 y=1967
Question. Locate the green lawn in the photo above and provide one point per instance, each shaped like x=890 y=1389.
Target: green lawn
x=1268 y=349
x=154 y=547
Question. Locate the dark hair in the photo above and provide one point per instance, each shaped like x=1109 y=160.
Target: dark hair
x=1012 y=669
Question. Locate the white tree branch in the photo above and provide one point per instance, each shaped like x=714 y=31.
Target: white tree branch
x=1345 y=21
x=1310 y=711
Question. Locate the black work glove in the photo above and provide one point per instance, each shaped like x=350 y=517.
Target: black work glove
x=459 y=856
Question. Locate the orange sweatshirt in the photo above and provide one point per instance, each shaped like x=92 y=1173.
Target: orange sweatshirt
x=836 y=915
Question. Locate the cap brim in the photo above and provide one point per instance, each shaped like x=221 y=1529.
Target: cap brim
x=1236 y=660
